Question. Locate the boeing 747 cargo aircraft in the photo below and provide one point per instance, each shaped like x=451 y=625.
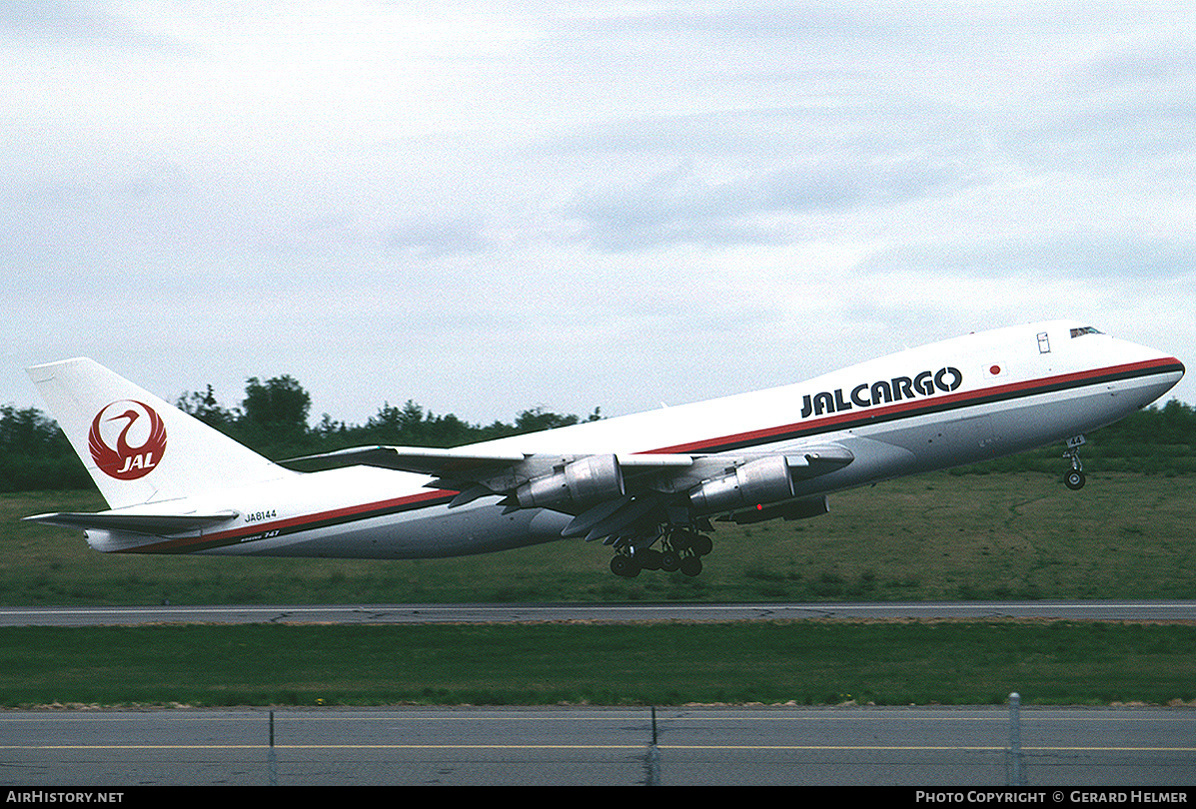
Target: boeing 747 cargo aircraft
x=651 y=485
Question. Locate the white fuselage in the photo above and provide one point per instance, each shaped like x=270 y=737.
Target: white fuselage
x=937 y=406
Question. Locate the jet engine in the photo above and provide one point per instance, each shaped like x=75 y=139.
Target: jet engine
x=581 y=482
x=765 y=480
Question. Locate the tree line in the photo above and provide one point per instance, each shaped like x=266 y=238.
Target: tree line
x=274 y=419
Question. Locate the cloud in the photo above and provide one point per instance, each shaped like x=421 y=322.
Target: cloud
x=483 y=205
x=771 y=206
x=74 y=21
x=437 y=238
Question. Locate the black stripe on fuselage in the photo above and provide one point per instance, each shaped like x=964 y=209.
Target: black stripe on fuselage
x=929 y=405
x=297 y=525
x=884 y=414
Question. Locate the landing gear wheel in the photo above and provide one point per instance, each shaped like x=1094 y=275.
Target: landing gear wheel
x=1074 y=480
x=648 y=559
x=702 y=545
x=681 y=540
x=670 y=561
x=624 y=566
x=691 y=566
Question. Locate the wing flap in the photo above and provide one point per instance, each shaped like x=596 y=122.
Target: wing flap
x=815 y=461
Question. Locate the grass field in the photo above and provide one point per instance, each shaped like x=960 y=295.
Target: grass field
x=932 y=537
x=801 y=662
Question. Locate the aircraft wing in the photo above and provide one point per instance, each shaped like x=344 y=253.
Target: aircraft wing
x=477 y=474
x=605 y=493
x=421 y=460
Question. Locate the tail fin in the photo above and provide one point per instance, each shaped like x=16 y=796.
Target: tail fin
x=137 y=447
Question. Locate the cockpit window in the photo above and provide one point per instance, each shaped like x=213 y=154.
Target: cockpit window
x=1080 y=332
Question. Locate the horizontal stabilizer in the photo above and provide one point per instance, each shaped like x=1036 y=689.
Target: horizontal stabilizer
x=154 y=524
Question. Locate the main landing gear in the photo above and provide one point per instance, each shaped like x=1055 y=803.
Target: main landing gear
x=680 y=549
x=1074 y=478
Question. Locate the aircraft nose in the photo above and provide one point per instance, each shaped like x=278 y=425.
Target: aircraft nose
x=1172 y=366
x=1169 y=371
x=1158 y=371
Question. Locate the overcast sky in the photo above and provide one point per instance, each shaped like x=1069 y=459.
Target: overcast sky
x=489 y=206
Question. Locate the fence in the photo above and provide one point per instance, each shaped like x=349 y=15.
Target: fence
x=993 y=747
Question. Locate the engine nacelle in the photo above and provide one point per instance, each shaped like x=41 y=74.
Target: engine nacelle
x=766 y=480
x=582 y=482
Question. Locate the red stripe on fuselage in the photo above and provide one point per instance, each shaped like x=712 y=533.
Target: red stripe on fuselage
x=863 y=416
x=925 y=405
x=305 y=522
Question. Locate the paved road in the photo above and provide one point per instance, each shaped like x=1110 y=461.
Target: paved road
x=596 y=746
x=507 y=613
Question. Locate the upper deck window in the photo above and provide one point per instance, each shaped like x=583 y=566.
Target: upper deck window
x=1080 y=332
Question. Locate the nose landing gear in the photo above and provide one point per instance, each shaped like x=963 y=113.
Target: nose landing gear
x=1074 y=478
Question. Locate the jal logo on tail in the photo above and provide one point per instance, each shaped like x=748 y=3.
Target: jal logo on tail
x=127 y=439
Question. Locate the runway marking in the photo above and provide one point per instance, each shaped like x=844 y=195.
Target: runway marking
x=981 y=748
x=998 y=714
x=325 y=747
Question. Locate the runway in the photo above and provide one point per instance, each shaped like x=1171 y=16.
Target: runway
x=593 y=746
x=1170 y=611
x=947 y=747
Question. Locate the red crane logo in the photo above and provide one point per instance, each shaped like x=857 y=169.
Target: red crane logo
x=126 y=461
